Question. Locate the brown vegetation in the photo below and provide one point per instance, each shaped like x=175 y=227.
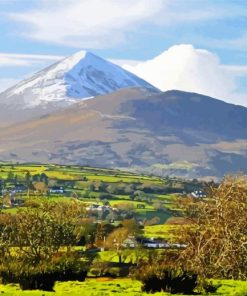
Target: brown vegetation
x=217 y=235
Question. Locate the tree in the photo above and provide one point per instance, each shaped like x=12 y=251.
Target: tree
x=125 y=206
x=36 y=178
x=158 y=206
x=152 y=221
x=43 y=240
x=91 y=186
x=129 y=228
x=10 y=176
x=41 y=187
x=102 y=186
x=132 y=226
x=115 y=240
x=1 y=187
x=40 y=232
x=112 y=189
x=44 y=178
x=128 y=189
x=28 y=178
x=100 y=235
x=216 y=238
x=16 y=179
x=6 y=201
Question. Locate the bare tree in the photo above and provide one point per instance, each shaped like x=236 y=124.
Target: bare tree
x=115 y=240
x=216 y=236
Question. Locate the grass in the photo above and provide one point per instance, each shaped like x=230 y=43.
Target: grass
x=91 y=287
x=10 y=210
x=231 y=287
x=84 y=176
x=150 y=214
x=159 y=231
x=106 y=286
x=112 y=256
x=134 y=203
x=168 y=198
x=77 y=173
x=118 y=287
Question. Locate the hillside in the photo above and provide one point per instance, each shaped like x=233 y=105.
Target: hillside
x=174 y=132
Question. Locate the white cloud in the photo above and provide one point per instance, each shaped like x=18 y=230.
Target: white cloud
x=186 y=68
x=189 y=11
x=105 y=23
x=236 y=70
x=121 y=63
x=25 y=60
x=31 y=62
x=87 y=23
x=181 y=67
x=233 y=43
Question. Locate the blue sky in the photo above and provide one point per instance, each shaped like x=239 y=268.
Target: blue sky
x=35 y=33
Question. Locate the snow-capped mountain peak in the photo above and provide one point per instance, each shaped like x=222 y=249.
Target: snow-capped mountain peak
x=79 y=76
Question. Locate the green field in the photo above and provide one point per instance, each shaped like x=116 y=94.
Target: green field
x=76 y=173
x=78 y=181
x=146 y=198
x=118 y=287
x=159 y=231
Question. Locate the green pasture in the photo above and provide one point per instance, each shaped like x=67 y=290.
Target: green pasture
x=150 y=214
x=77 y=173
x=127 y=255
x=159 y=231
x=118 y=287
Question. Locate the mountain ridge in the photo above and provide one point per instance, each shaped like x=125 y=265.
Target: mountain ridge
x=77 y=77
x=138 y=129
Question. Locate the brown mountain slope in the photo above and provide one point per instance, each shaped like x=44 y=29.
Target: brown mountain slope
x=168 y=133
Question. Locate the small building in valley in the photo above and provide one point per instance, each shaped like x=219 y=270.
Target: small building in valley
x=56 y=189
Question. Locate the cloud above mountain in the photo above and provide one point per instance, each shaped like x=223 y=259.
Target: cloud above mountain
x=17 y=61
x=181 y=67
x=184 y=67
x=88 y=24
x=25 y=60
x=103 y=24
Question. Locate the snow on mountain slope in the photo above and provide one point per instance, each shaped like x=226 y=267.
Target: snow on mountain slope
x=82 y=75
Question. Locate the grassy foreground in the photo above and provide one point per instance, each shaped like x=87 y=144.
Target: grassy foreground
x=108 y=287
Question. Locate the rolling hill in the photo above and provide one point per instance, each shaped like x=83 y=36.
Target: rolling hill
x=174 y=132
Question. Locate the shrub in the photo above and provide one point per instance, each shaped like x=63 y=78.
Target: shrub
x=62 y=267
x=161 y=273
x=32 y=203
x=36 y=245
x=208 y=287
x=171 y=281
x=157 y=279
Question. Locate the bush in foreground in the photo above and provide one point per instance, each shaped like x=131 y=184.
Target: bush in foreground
x=36 y=246
x=162 y=274
x=171 y=281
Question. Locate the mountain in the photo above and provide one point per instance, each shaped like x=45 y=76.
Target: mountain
x=174 y=132
x=80 y=76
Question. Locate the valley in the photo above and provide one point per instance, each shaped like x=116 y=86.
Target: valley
x=142 y=211
x=123 y=148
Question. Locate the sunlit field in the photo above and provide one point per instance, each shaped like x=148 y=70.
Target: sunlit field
x=118 y=287
x=148 y=204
